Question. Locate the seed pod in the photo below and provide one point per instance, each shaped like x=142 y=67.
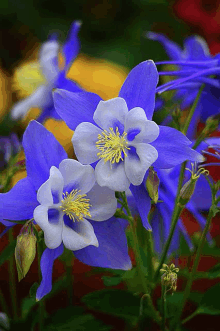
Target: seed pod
x=25 y=251
x=152 y=184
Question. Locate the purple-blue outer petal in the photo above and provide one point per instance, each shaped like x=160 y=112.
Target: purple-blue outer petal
x=196 y=48
x=112 y=251
x=19 y=203
x=172 y=49
x=143 y=202
x=173 y=148
x=46 y=265
x=42 y=151
x=72 y=45
x=139 y=87
x=75 y=108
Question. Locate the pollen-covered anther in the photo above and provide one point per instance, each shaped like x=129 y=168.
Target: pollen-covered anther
x=112 y=145
x=75 y=205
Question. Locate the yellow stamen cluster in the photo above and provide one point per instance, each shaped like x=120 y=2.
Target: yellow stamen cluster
x=27 y=78
x=75 y=205
x=197 y=173
x=169 y=276
x=111 y=145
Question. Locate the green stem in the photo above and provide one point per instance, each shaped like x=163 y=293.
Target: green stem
x=41 y=309
x=136 y=246
x=190 y=317
x=69 y=274
x=194 y=269
x=176 y=214
x=190 y=115
x=3 y=304
x=12 y=281
x=149 y=244
x=164 y=307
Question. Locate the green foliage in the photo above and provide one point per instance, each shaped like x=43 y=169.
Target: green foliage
x=7 y=252
x=74 y=318
x=118 y=303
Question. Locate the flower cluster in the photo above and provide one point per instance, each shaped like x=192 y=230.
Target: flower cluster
x=116 y=142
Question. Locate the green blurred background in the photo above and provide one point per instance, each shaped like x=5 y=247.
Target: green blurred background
x=112 y=29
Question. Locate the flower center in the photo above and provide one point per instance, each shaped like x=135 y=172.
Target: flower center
x=75 y=205
x=27 y=78
x=112 y=146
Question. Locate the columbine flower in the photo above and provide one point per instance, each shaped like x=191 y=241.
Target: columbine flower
x=195 y=66
x=9 y=147
x=64 y=199
x=120 y=134
x=38 y=79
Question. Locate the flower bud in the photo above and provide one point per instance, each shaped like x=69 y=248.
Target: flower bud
x=25 y=250
x=152 y=184
x=188 y=188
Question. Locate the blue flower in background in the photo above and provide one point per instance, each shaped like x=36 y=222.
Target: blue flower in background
x=120 y=135
x=195 y=66
x=9 y=147
x=62 y=196
x=54 y=76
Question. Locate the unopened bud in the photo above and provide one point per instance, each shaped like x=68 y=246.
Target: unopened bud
x=169 y=276
x=152 y=184
x=188 y=188
x=211 y=124
x=25 y=250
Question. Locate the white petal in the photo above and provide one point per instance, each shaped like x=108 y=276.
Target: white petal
x=113 y=177
x=136 y=119
x=137 y=165
x=41 y=98
x=82 y=236
x=49 y=60
x=103 y=201
x=53 y=185
x=52 y=232
x=109 y=112
x=84 y=142
x=81 y=177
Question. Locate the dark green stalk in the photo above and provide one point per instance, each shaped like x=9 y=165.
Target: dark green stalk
x=164 y=307
x=195 y=266
x=176 y=214
x=3 y=304
x=190 y=115
x=41 y=309
x=12 y=281
x=136 y=245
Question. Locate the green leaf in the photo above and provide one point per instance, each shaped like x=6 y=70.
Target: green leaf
x=210 y=303
x=118 y=303
x=74 y=318
x=7 y=252
x=27 y=305
x=33 y=290
x=111 y=281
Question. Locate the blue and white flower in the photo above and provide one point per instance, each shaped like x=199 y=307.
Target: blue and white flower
x=66 y=202
x=52 y=76
x=120 y=134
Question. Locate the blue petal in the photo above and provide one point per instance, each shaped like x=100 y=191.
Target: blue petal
x=143 y=203
x=75 y=108
x=48 y=112
x=112 y=251
x=139 y=87
x=67 y=84
x=173 y=149
x=172 y=49
x=196 y=48
x=42 y=151
x=46 y=264
x=72 y=44
x=209 y=102
x=19 y=203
